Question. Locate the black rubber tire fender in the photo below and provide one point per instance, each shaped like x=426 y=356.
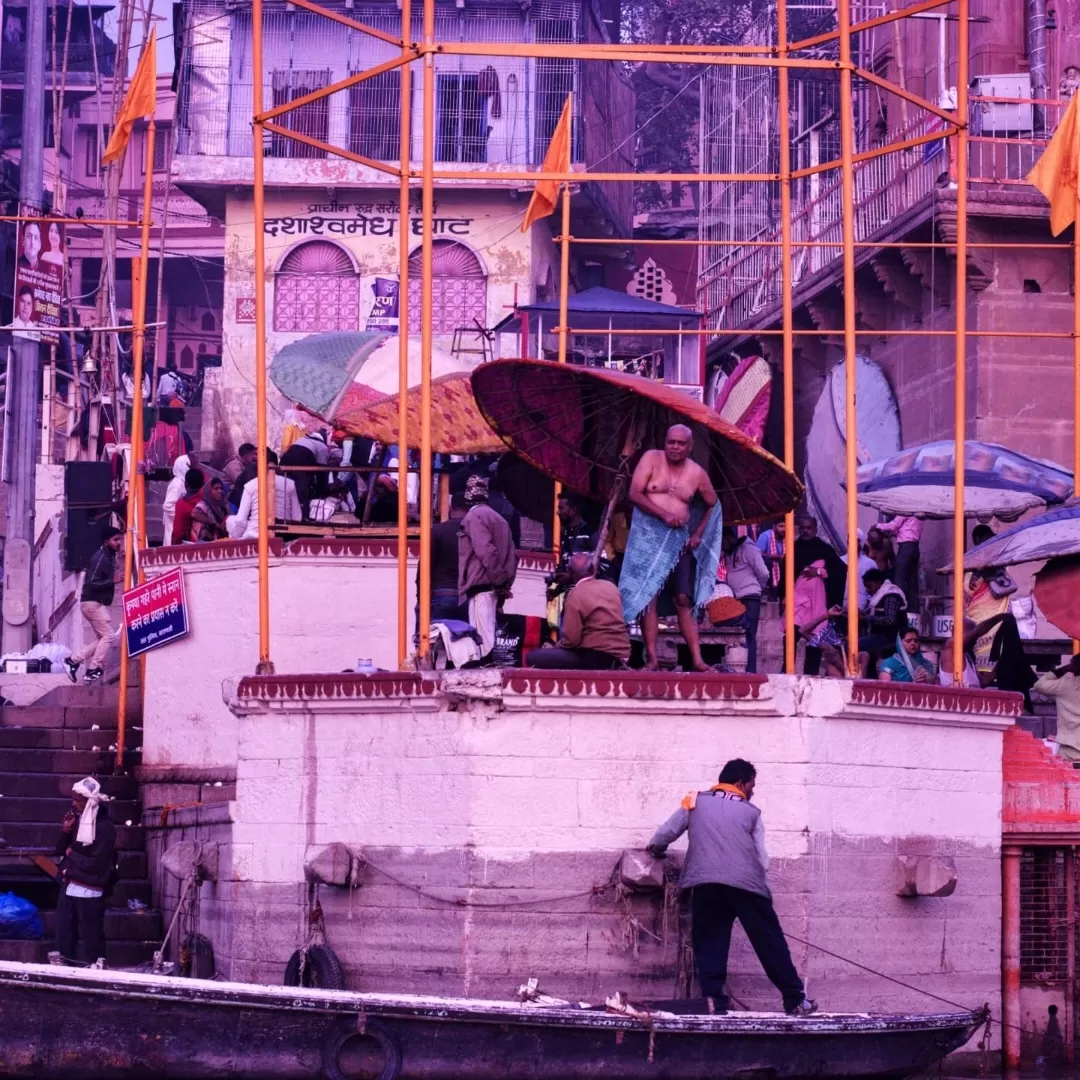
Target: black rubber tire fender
x=346 y=1029
x=197 y=958
x=322 y=970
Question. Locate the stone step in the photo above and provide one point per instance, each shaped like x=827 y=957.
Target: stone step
x=118 y=954
x=120 y=924
x=43 y=785
x=47 y=762
x=16 y=867
x=51 y=810
x=97 y=695
x=42 y=891
x=65 y=738
x=20 y=834
x=64 y=716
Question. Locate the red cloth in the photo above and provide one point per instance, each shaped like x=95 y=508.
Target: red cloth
x=181 y=530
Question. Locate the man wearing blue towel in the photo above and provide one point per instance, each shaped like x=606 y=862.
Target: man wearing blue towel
x=674 y=543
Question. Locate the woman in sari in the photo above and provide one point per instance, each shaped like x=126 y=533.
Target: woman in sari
x=208 y=516
x=908 y=663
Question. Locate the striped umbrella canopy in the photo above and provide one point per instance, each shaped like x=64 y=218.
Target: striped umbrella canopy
x=998 y=482
x=575 y=423
x=1049 y=535
x=457 y=426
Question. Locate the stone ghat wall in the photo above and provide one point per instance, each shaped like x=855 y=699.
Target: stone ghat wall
x=331 y=602
x=492 y=812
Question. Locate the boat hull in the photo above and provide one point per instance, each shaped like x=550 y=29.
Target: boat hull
x=59 y=1022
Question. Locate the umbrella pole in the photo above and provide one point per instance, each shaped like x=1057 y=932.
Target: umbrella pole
x=369 y=498
x=634 y=436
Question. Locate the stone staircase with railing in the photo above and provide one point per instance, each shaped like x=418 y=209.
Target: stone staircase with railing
x=45 y=748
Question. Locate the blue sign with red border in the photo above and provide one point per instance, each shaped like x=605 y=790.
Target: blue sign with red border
x=155 y=613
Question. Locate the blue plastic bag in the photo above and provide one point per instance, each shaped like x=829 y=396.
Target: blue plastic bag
x=19 y=918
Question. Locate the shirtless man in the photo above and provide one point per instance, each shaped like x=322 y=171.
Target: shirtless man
x=663 y=485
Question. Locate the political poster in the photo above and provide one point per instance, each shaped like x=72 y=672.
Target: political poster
x=39 y=280
x=383 y=311
x=155 y=613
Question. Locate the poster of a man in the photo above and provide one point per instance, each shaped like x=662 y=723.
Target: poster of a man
x=30 y=248
x=39 y=280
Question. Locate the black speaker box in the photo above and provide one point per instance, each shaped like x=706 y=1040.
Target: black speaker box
x=84 y=529
x=88 y=483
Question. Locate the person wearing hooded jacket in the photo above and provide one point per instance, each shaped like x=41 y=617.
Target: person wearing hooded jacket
x=87 y=846
x=173 y=493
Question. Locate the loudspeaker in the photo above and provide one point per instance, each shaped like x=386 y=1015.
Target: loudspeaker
x=84 y=533
x=88 y=483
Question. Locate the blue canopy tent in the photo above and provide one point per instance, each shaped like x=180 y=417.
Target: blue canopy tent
x=611 y=315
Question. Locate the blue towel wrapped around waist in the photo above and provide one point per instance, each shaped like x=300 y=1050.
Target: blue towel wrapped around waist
x=653 y=549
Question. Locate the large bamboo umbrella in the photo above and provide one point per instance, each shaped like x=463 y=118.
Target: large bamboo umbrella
x=585 y=427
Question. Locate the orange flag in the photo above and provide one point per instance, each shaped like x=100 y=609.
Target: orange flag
x=140 y=102
x=557 y=160
x=1057 y=172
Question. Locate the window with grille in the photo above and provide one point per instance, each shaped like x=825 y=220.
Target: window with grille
x=312 y=119
x=461 y=118
x=94 y=150
x=375 y=116
x=459 y=289
x=1044 y=910
x=316 y=289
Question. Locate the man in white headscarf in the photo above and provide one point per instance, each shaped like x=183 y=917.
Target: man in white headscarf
x=88 y=845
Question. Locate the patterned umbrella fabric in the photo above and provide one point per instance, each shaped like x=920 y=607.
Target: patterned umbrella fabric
x=998 y=483
x=334 y=374
x=316 y=371
x=1049 y=535
x=573 y=422
x=457 y=426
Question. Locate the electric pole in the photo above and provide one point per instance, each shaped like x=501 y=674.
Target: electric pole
x=24 y=376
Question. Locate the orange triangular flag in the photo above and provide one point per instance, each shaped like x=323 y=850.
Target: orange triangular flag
x=556 y=160
x=1057 y=172
x=140 y=102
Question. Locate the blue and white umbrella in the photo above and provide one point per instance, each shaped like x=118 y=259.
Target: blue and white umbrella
x=1045 y=536
x=998 y=482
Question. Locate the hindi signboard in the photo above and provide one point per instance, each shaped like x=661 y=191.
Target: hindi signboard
x=39 y=280
x=155 y=613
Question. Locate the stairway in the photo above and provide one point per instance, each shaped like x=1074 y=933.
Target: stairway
x=44 y=749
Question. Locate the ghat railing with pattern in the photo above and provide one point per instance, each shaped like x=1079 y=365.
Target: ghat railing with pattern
x=740 y=286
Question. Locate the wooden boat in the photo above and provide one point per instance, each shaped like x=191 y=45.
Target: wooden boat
x=63 y=1022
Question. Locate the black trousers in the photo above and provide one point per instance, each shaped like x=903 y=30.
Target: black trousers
x=559 y=659
x=80 y=926
x=715 y=909
x=906 y=572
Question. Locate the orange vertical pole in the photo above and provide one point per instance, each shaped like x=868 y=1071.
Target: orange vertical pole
x=564 y=327
x=136 y=510
x=1076 y=361
x=403 y=341
x=847 y=178
x=1010 y=955
x=784 y=129
x=428 y=216
x=265 y=667
x=960 y=304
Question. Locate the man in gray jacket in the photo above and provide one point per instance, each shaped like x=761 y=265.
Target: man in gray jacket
x=747 y=575
x=487 y=561
x=726 y=867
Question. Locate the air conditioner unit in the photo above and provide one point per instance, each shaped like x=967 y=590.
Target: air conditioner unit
x=1001 y=117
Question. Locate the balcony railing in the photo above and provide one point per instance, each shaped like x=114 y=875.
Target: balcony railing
x=740 y=285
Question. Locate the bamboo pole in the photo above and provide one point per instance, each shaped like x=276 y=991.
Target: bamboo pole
x=265 y=666
x=564 y=331
x=847 y=141
x=403 y=344
x=784 y=130
x=963 y=29
x=136 y=499
x=1076 y=363
x=426 y=256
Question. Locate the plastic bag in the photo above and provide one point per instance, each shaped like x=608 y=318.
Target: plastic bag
x=19 y=918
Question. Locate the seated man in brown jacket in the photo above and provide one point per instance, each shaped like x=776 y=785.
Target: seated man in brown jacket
x=594 y=631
